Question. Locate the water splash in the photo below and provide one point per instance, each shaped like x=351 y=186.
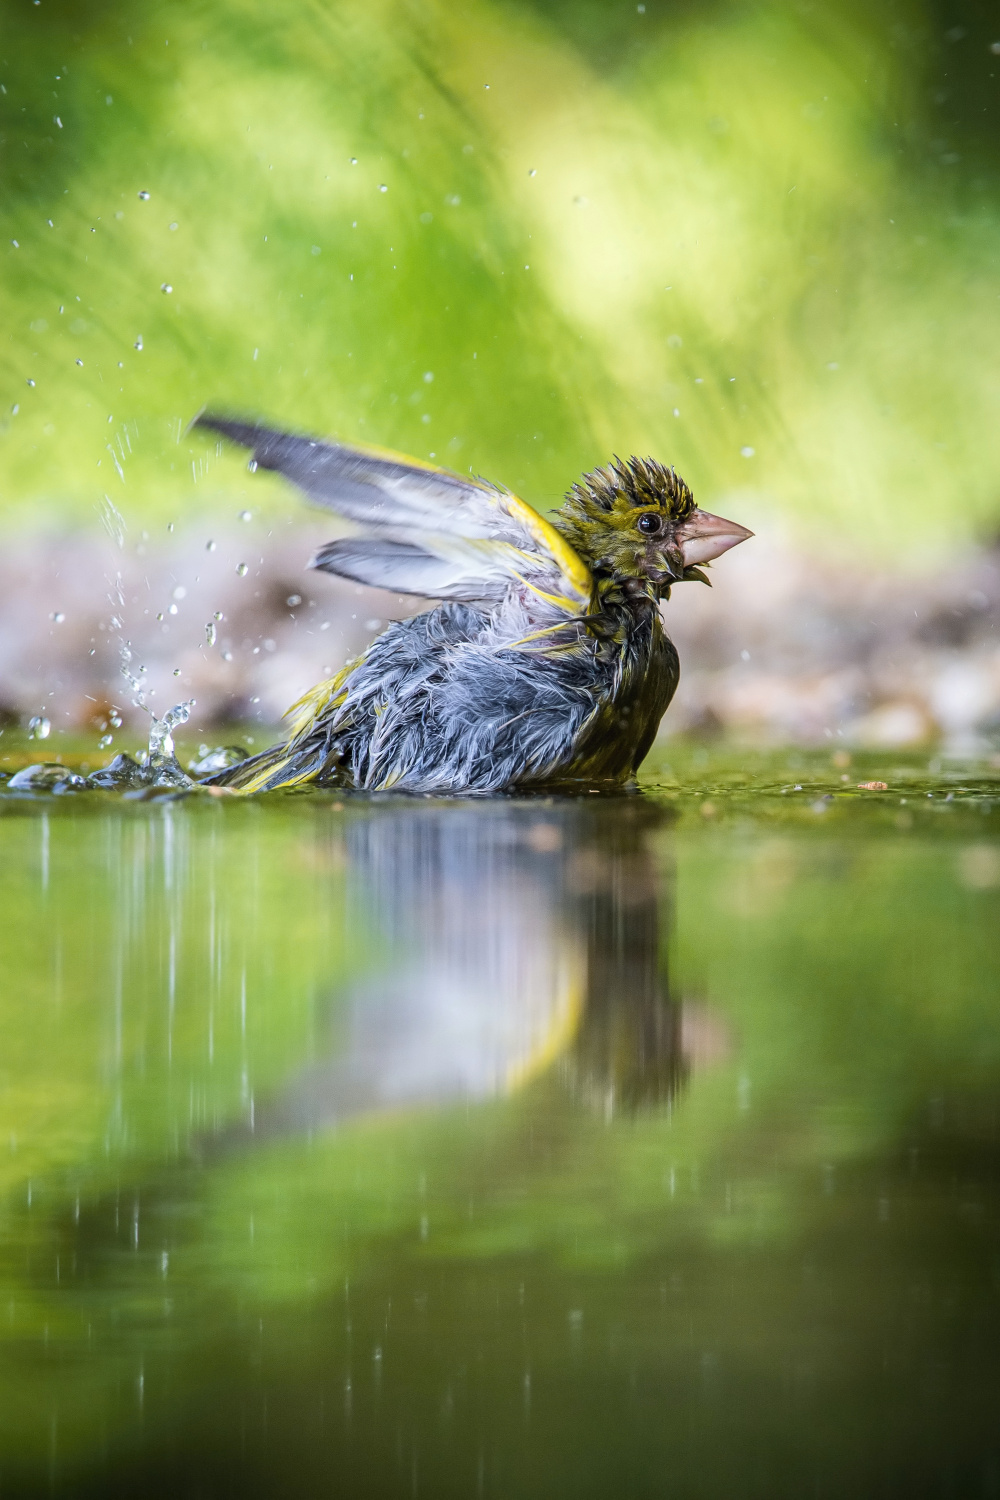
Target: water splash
x=159 y=763
x=161 y=741
x=113 y=521
x=125 y=667
x=219 y=759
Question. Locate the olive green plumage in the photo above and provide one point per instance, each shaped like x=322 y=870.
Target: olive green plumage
x=545 y=665
x=600 y=518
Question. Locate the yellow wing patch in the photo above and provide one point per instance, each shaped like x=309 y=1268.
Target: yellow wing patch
x=570 y=564
x=576 y=574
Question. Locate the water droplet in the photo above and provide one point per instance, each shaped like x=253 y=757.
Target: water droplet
x=293 y=600
x=172 y=609
x=227 y=656
x=15 y=408
x=532 y=172
x=115 y=719
x=180 y=592
x=217 y=615
x=242 y=569
x=144 y=195
x=209 y=546
x=246 y=515
x=252 y=465
x=58 y=616
x=748 y=452
x=177 y=671
x=211 y=634
x=160 y=615
x=166 y=287
x=219 y=759
x=354 y=161
x=31 y=383
x=382 y=187
x=80 y=362
x=38 y=728
x=105 y=741
x=138 y=343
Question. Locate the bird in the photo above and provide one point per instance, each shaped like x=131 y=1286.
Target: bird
x=544 y=665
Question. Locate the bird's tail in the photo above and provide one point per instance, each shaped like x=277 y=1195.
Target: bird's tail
x=307 y=754
x=284 y=765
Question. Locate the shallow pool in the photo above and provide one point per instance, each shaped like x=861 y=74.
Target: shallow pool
x=636 y=1146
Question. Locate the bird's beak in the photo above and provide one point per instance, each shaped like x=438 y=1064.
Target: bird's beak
x=703 y=536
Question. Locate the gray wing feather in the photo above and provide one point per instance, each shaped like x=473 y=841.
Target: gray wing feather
x=436 y=533
x=396 y=566
x=360 y=484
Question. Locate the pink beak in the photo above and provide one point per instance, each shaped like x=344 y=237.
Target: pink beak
x=703 y=537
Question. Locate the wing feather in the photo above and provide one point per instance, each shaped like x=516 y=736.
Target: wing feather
x=431 y=532
x=397 y=566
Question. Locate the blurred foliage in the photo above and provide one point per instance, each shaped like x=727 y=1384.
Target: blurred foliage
x=518 y=236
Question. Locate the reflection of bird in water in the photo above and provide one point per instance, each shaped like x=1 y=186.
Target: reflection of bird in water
x=629 y=1050
x=547 y=662
x=515 y=934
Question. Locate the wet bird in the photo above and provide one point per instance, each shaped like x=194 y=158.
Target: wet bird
x=546 y=664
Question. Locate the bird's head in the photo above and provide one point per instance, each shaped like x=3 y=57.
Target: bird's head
x=636 y=523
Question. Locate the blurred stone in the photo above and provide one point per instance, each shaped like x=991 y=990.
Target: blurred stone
x=893 y=725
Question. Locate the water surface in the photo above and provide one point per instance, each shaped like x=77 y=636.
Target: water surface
x=639 y=1145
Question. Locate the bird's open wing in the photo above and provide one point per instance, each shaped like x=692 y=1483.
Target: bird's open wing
x=424 y=530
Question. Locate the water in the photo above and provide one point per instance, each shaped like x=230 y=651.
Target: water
x=643 y=1145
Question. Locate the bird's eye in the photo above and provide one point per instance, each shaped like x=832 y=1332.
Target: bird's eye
x=649 y=523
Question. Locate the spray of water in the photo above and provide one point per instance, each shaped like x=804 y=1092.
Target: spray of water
x=159 y=763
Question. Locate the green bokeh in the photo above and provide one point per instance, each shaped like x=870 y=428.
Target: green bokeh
x=779 y=221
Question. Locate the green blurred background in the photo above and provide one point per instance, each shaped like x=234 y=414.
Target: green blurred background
x=758 y=240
